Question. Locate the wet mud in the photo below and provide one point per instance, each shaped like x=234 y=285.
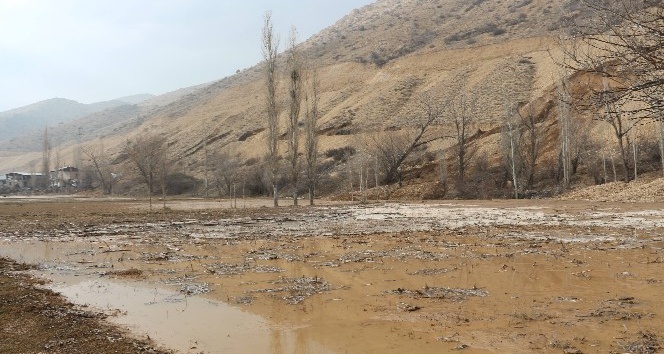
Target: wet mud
x=479 y=277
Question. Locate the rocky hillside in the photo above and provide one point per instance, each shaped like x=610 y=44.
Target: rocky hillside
x=376 y=62
x=374 y=66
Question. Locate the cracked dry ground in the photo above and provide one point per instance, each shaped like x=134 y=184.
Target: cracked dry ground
x=481 y=277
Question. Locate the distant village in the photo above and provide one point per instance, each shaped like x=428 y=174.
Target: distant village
x=62 y=179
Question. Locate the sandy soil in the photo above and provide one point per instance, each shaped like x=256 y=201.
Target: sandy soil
x=483 y=277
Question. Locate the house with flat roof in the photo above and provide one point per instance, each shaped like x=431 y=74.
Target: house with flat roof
x=22 y=180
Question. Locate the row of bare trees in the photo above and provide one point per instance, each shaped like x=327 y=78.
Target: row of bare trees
x=621 y=42
x=303 y=90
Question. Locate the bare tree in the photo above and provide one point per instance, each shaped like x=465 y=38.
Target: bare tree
x=311 y=136
x=531 y=147
x=295 y=102
x=623 y=42
x=100 y=163
x=270 y=50
x=148 y=156
x=461 y=111
x=621 y=124
x=442 y=169
x=225 y=168
x=511 y=141
x=165 y=164
x=46 y=160
x=565 y=126
x=393 y=148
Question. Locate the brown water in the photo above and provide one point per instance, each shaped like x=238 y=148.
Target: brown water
x=428 y=279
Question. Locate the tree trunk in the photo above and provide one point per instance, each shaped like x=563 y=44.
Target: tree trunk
x=275 y=195
x=623 y=155
x=661 y=142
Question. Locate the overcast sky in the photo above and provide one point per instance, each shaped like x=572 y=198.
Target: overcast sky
x=96 y=50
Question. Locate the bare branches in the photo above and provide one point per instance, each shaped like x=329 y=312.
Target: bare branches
x=393 y=148
x=270 y=46
x=149 y=158
x=100 y=163
x=623 y=42
x=461 y=111
x=295 y=100
x=311 y=135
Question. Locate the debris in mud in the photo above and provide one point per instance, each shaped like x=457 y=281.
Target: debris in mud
x=128 y=273
x=195 y=288
x=188 y=286
x=267 y=269
x=239 y=269
x=270 y=255
x=454 y=338
x=362 y=256
x=648 y=343
x=263 y=255
x=433 y=271
x=397 y=253
x=159 y=256
x=244 y=300
x=565 y=346
x=330 y=264
x=583 y=274
x=538 y=316
x=299 y=288
x=441 y=293
x=407 y=307
x=623 y=301
x=228 y=268
x=610 y=312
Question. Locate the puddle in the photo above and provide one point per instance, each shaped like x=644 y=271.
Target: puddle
x=183 y=323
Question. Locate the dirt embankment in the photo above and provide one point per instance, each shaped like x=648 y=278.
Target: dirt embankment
x=646 y=190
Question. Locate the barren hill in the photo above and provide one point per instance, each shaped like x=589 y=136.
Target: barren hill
x=373 y=65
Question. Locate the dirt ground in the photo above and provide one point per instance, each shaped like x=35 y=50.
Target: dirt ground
x=547 y=276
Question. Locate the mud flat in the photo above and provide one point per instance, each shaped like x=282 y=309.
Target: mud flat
x=480 y=277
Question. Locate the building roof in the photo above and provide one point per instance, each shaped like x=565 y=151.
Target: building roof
x=25 y=173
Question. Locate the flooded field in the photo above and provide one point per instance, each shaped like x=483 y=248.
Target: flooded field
x=481 y=277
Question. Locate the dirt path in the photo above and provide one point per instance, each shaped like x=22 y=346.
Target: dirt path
x=482 y=277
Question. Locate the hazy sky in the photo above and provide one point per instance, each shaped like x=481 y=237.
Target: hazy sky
x=96 y=50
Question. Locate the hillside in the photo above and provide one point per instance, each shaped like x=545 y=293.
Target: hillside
x=70 y=121
x=41 y=114
x=362 y=95
x=374 y=66
x=22 y=129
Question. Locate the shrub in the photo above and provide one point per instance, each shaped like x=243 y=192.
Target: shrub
x=341 y=154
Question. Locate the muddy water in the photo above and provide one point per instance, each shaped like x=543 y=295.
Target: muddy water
x=172 y=319
x=187 y=324
x=388 y=279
